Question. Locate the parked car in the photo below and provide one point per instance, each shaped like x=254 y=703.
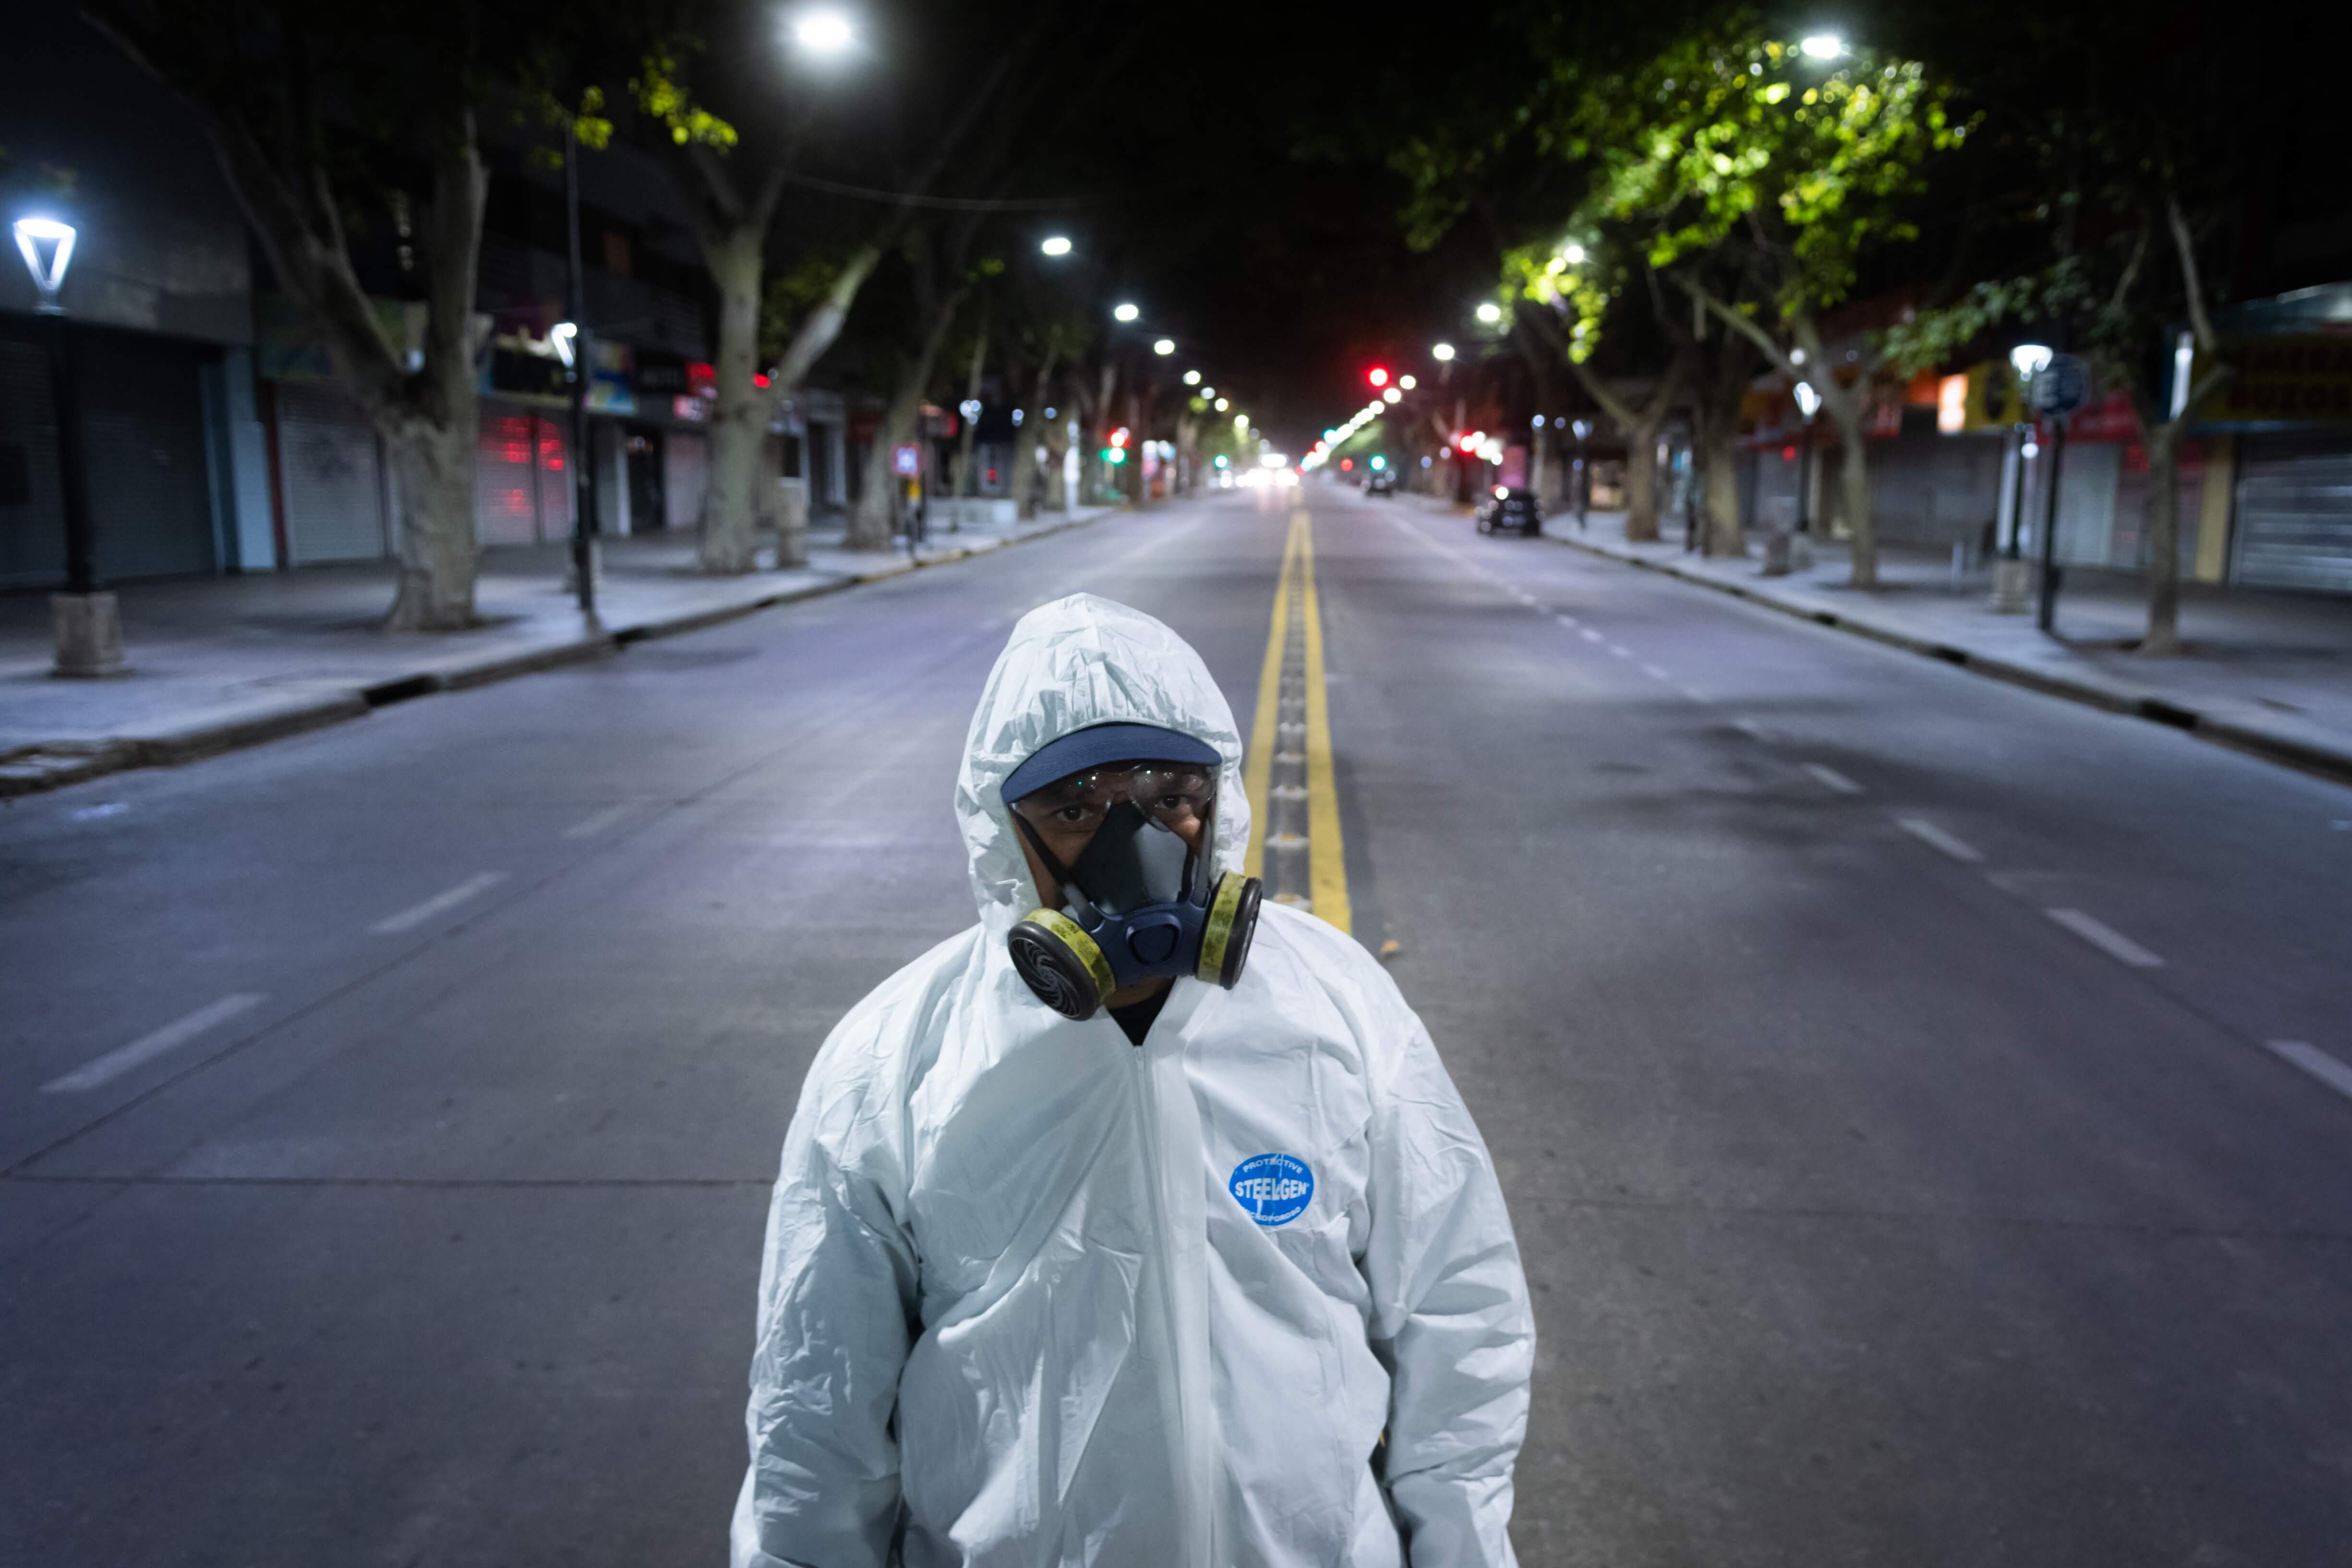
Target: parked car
x=1381 y=483
x=1512 y=509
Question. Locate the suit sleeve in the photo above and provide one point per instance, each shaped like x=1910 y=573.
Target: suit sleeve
x=1450 y=1318
x=837 y=1294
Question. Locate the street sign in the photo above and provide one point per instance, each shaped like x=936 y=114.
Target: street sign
x=2061 y=385
x=908 y=459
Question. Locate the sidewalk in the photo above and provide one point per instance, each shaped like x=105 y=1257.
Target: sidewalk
x=223 y=662
x=2267 y=672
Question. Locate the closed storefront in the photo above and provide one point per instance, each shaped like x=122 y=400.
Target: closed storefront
x=2294 y=512
x=32 y=519
x=686 y=475
x=332 y=476
x=522 y=480
x=151 y=494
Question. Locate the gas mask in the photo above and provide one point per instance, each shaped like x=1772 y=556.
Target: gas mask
x=1138 y=903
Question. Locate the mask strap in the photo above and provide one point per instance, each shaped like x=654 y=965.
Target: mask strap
x=1062 y=878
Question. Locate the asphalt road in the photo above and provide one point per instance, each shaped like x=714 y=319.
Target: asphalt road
x=1878 y=1061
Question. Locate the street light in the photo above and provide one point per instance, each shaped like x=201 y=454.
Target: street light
x=1823 y=47
x=1126 y=312
x=1222 y=406
x=1055 y=244
x=87 y=626
x=1809 y=403
x=1489 y=311
x=823 y=32
x=1442 y=353
x=1392 y=395
x=1164 y=347
x=2010 y=577
x=1583 y=430
x=1407 y=382
x=1191 y=378
x=1573 y=255
x=1208 y=392
x=47 y=248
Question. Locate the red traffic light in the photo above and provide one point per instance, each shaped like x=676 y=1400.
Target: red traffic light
x=1376 y=377
x=1345 y=464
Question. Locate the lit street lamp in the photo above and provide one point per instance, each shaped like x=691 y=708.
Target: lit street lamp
x=2011 y=577
x=88 y=624
x=1442 y=353
x=1126 y=312
x=1055 y=244
x=1583 y=429
x=1164 y=347
x=824 y=31
x=1191 y=378
x=572 y=346
x=1489 y=312
x=1809 y=403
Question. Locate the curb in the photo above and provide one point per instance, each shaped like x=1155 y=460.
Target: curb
x=37 y=769
x=2333 y=762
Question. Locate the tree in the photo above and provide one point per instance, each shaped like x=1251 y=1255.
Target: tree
x=302 y=106
x=734 y=193
x=1743 y=157
x=2125 y=138
x=1569 y=316
x=940 y=274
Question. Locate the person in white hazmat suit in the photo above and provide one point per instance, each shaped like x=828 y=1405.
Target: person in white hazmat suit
x=1222 y=1276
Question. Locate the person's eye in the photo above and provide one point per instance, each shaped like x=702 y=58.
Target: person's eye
x=1071 y=816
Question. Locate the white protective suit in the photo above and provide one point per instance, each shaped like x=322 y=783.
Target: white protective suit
x=1034 y=1294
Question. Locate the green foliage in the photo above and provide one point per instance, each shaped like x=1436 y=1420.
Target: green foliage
x=661 y=96
x=1740 y=137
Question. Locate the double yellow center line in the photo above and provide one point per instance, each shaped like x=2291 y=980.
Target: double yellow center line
x=1293 y=791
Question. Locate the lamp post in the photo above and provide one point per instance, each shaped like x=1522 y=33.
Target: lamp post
x=573 y=346
x=88 y=623
x=1809 y=403
x=1582 y=429
x=2011 y=576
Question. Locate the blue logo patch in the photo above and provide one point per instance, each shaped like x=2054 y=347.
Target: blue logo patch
x=1274 y=1188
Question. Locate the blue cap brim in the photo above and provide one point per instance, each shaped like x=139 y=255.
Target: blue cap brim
x=1105 y=744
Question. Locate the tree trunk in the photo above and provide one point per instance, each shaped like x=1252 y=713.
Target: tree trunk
x=433 y=467
x=970 y=425
x=871 y=519
x=1642 y=474
x=739 y=422
x=1853 y=485
x=2163 y=542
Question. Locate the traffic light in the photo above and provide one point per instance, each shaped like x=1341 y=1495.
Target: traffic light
x=1376 y=377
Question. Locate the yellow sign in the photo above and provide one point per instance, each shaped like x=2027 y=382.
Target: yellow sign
x=2282 y=380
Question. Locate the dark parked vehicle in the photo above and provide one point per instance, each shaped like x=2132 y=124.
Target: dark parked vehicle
x=1380 y=482
x=1512 y=509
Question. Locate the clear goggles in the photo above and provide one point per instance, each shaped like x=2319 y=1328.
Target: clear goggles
x=1167 y=793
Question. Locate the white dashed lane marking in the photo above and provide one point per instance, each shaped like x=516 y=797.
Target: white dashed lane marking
x=588 y=827
x=147 y=1047
x=2315 y=1061
x=1833 y=779
x=415 y=915
x=1936 y=839
x=2105 y=938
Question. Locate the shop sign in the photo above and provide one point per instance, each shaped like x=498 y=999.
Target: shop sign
x=285 y=349
x=2299 y=379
